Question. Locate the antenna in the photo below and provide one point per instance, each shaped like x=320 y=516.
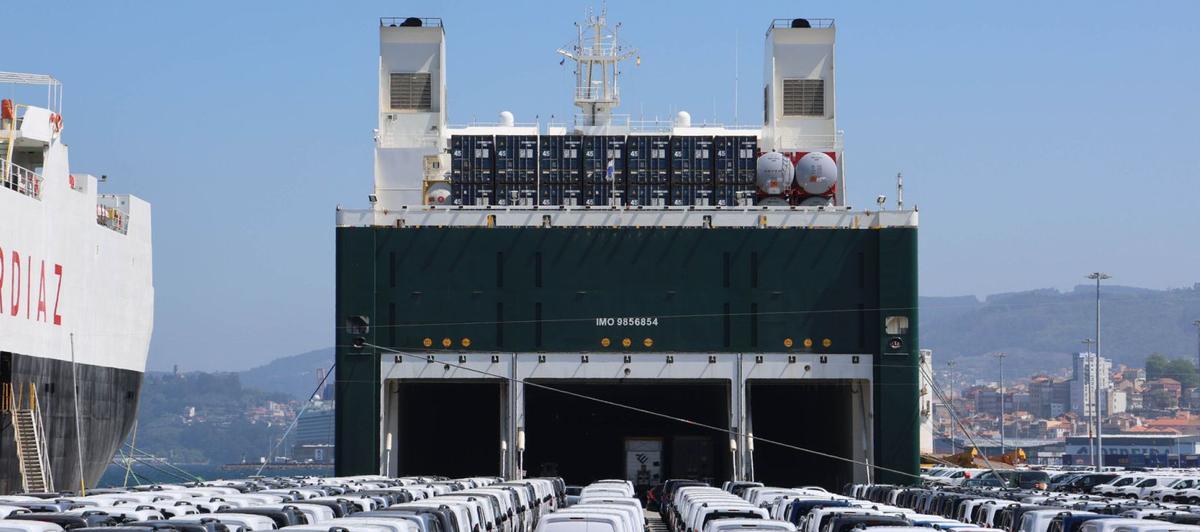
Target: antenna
x=900 y=190
x=735 y=76
x=596 y=54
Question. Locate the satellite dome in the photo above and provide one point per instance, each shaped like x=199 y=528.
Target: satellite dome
x=683 y=119
x=816 y=173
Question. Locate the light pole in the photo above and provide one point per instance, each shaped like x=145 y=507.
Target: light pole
x=1197 y=324
x=1087 y=342
x=1098 y=276
x=1001 y=356
x=950 y=407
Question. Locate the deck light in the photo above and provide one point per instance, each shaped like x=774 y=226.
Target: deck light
x=787 y=342
x=446 y=342
x=605 y=342
x=648 y=342
x=625 y=342
x=808 y=342
x=428 y=342
x=466 y=342
x=826 y=342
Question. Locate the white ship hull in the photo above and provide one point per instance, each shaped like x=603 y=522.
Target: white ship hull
x=76 y=305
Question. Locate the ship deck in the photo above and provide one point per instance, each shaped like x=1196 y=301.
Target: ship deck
x=766 y=217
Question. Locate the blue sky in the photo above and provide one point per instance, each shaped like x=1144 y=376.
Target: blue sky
x=1041 y=140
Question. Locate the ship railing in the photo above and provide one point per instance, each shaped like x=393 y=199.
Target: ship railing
x=810 y=142
x=109 y=214
x=20 y=179
x=596 y=94
x=475 y=123
x=389 y=138
x=396 y=22
x=814 y=23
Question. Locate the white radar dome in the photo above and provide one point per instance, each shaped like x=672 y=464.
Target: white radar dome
x=816 y=173
x=683 y=119
x=774 y=173
x=437 y=194
x=506 y=119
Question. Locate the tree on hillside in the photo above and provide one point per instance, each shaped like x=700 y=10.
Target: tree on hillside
x=1156 y=366
x=1180 y=369
x=1184 y=371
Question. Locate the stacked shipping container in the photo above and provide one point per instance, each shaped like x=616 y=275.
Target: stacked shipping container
x=604 y=170
x=472 y=169
x=633 y=170
x=648 y=170
x=560 y=160
x=736 y=161
x=516 y=169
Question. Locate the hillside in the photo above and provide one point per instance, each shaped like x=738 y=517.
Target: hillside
x=294 y=375
x=1040 y=329
x=202 y=418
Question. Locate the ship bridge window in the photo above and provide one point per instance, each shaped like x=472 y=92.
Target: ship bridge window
x=803 y=97
x=412 y=91
x=896 y=325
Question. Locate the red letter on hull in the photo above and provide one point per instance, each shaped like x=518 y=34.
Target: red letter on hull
x=41 y=313
x=57 y=293
x=16 y=286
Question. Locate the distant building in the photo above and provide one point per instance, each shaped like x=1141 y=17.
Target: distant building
x=1083 y=383
x=1137 y=450
x=314 y=430
x=926 y=400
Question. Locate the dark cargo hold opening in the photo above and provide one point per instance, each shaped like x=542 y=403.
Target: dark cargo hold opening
x=814 y=415
x=584 y=441
x=449 y=428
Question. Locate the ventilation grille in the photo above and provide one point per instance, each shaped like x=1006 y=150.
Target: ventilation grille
x=412 y=91
x=803 y=97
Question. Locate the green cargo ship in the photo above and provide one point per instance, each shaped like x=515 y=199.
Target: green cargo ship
x=531 y=300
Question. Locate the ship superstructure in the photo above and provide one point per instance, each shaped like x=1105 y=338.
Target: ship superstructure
x=710 y=272
x=76 y=300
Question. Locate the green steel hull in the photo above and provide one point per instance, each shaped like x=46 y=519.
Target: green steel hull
x=531 y=289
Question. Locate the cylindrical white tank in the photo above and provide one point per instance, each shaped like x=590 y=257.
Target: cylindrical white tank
x=816 y=173
x=774 y=173
x=437 y=194
x=815 y=201
x=506 y=119
x=683 y=119
x=773 y=201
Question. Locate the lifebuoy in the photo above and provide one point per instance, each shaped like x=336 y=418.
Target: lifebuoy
x=56 y=121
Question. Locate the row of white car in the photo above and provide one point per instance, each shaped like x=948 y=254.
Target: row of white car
x=1017 y=511
x=602 y=506
x=1155 y=486
x=307 y=504
x=749 y=506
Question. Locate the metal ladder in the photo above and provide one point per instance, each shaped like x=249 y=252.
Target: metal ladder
x=30 y=439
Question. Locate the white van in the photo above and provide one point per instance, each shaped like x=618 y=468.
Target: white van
x=578 y=522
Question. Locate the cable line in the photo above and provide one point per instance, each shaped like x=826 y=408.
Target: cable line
x=730 y=432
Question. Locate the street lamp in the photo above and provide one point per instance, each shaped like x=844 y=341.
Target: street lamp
x=1087 y=342
x=1001 y=356
x=950 y=407
x=1098 y=276
x=1197 y=324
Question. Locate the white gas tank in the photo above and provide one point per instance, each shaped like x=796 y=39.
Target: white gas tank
x=774 y=173
x=816 y=173
x=816 y=201
x=437 y=194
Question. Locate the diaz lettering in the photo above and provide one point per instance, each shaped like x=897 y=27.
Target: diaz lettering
x=17 y=276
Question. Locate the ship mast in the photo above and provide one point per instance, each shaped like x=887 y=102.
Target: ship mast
x=596 y=54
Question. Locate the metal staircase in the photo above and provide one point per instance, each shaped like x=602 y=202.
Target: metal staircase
x=30 y=438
